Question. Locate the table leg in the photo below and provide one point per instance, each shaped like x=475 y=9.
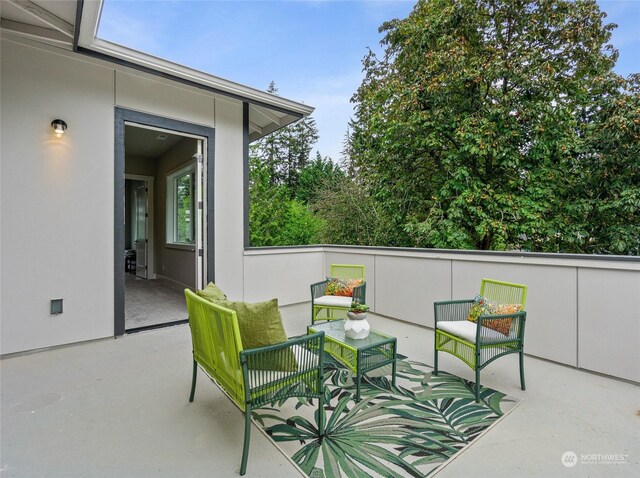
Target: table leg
x=358 y=375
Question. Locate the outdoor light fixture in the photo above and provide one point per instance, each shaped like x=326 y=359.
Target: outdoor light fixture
x=59 y=127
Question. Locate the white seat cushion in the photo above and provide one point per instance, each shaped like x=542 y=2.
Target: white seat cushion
x=333 y=301
x=465 y=329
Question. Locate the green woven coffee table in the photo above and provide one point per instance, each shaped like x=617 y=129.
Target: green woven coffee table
x=359 y=356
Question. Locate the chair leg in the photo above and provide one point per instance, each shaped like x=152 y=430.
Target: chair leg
x=321 y=415
x=247 y=439
x=522 y=370
x=435 y=361
x=477 y=385
x=193 y=381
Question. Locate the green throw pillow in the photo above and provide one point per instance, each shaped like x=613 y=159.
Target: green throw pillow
x=212 y=293
x=261 y=325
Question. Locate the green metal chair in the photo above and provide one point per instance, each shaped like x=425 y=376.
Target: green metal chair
x=475 y=343
x=245 y=375
x=335 y=307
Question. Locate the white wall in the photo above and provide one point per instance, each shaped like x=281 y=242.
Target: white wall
x=581 y=311
x=57 y=199
x=286 y=274
x=57 y=227
x=609 y=326
x=153 y=95
x=228 y=199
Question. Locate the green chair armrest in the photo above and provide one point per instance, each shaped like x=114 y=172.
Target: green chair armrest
x=450 y=310
x=516 y=331
x=304 y=369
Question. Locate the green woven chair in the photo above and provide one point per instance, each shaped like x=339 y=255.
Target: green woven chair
x=247 y=376
x=479 y=343
x=334 y=307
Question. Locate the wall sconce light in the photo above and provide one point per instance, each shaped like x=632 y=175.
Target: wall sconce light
x=59 y=127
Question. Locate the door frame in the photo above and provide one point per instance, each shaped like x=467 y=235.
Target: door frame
x=207 y=133
x=148 y=180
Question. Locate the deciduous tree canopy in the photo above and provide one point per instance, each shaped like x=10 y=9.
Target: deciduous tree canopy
x=500 y=124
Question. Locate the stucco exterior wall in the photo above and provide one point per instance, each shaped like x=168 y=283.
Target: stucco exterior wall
x=57 y=216
x=581 y=310
x=57 y=205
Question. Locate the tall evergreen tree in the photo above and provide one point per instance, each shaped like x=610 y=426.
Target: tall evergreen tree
x=347 y=160
x=318 y=174
x=286 y=151
x=276 y=216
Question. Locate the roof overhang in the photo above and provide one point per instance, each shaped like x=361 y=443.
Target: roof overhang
x=75 y=23
x=54 y=24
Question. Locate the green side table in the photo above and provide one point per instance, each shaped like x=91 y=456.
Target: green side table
x=360 y=356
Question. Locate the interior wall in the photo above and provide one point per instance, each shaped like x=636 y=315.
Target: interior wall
x=176 y=263
x=139 y=165
x=130 y=212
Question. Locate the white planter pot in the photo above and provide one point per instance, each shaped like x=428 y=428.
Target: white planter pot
x=357 y=326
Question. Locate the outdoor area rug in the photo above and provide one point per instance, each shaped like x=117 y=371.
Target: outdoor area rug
x=411 y=430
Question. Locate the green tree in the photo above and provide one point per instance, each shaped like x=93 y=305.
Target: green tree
x=281 y=183
x=318 y=174
x=605 y=192
x=351 y=215
x=286 y=151
x=347 y=161
x=274 y=218
x=485 y=121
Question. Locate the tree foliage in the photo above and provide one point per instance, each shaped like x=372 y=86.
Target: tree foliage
x=351 y=215
x=316 y=176
x=500 y=124
x=282 y=182
x=286 y=151
x=274 y=218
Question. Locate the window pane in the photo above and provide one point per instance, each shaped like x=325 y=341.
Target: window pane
x=184 y=209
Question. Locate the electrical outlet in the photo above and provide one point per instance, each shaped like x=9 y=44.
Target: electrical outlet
x=56 y=306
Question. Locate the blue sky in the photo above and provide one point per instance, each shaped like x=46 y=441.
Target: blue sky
x=312 y=49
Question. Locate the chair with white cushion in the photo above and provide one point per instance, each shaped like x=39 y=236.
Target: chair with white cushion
x=480 y=330
x=327 y=303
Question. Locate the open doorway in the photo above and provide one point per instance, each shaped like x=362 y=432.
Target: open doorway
x=162 y=236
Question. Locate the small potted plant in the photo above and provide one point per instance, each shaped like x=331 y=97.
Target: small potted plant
x=358 y=311
x=357 y=325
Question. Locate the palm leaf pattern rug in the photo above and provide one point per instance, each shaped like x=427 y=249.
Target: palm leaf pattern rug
x=410 y=430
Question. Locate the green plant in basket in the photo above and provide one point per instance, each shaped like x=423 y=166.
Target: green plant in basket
x=358 y=308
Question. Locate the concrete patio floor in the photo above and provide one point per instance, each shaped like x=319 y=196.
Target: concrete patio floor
x=114 y=408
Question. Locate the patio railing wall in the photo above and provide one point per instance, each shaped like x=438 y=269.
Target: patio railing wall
x=583 y=311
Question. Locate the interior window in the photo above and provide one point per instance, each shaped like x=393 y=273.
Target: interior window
x=181 y=206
